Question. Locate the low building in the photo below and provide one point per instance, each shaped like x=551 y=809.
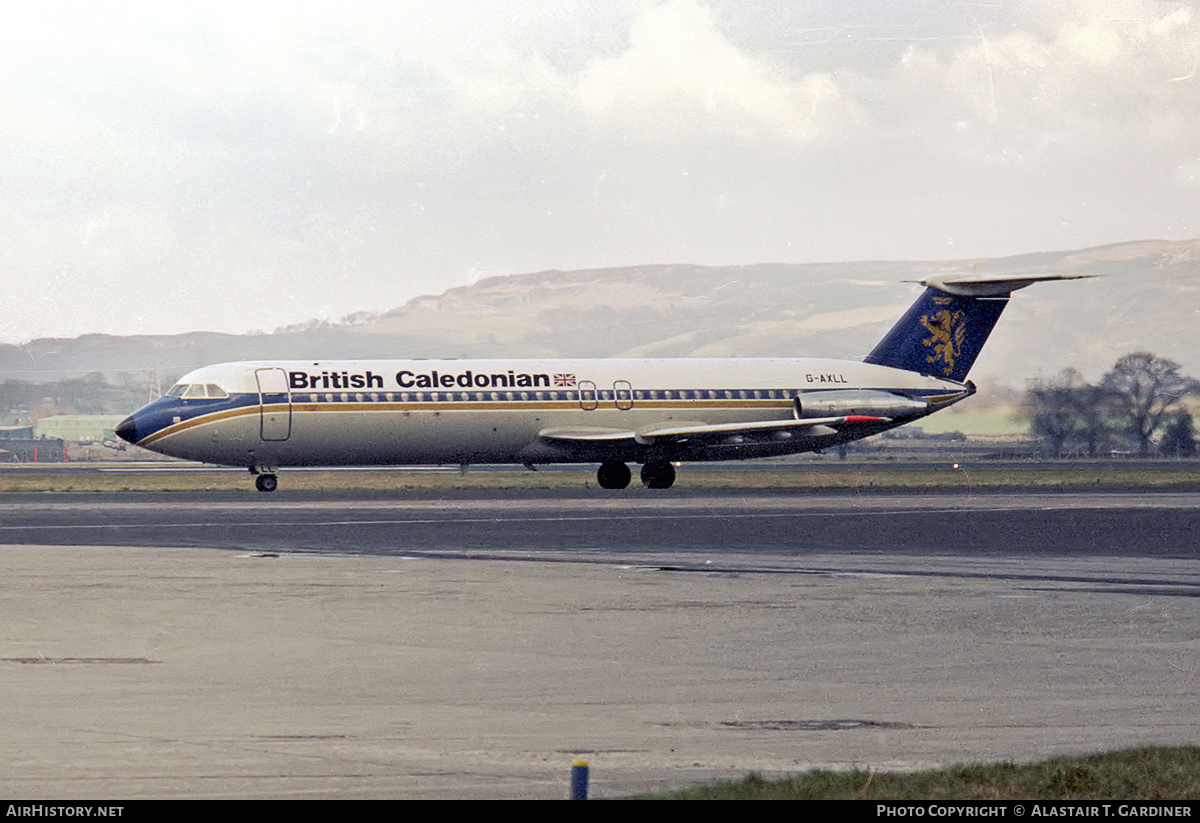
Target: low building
x=79 y=428
x=33 y=451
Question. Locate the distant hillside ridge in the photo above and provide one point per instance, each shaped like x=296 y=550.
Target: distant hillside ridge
x=1148 y=299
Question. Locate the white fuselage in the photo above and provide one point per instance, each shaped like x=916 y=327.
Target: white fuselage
x=405 y=412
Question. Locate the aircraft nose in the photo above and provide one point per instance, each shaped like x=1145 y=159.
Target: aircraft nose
x=127 y=430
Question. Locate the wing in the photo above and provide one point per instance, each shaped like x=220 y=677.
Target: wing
x=698 y=433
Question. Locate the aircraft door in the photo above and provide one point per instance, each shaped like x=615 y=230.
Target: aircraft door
x=275 y=404
x=623 y=395
x=587 y=395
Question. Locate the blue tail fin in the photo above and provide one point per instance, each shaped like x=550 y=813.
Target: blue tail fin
x=941 y=334
x=944 y=331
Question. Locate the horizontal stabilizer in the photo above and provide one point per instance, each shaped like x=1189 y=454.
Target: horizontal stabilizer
x=997 y=285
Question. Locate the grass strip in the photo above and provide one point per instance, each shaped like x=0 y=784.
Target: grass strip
x=1147 y=774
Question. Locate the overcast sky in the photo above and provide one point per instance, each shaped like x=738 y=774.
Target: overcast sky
x=168 y=167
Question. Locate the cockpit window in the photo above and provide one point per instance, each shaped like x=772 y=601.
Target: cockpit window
x=192 y=391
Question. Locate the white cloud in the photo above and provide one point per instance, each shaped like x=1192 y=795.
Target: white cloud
x=357 y=155
x=1187 y=175
x=682 y=77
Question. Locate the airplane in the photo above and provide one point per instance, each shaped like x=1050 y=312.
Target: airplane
x=656 y=412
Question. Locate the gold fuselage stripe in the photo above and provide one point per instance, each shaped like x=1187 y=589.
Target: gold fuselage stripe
x=462 y=406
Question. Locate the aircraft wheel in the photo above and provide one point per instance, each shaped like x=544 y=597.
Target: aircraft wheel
x=613 y=475
x=658 y=474
x=266 y=482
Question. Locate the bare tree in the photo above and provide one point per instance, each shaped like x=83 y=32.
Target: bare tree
x=1067 y=408
x=1051 y=407
x=1146 y=391
x=1097 y=413
x=1179 y=438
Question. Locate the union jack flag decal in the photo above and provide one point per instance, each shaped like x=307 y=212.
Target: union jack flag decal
x=564 y=380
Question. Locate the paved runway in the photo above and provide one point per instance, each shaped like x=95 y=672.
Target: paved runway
x=388 y=650
x=563 y=523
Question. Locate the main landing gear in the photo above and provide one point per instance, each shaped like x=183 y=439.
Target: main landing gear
x=656 y=474
x=613 y=475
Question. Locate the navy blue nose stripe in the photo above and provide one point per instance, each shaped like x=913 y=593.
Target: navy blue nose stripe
x=167 y=411
x=127 y=430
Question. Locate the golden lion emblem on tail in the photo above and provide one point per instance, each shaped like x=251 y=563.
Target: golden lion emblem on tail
x=946 y=334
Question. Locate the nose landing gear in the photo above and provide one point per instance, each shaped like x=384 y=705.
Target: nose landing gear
x=264 y=478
